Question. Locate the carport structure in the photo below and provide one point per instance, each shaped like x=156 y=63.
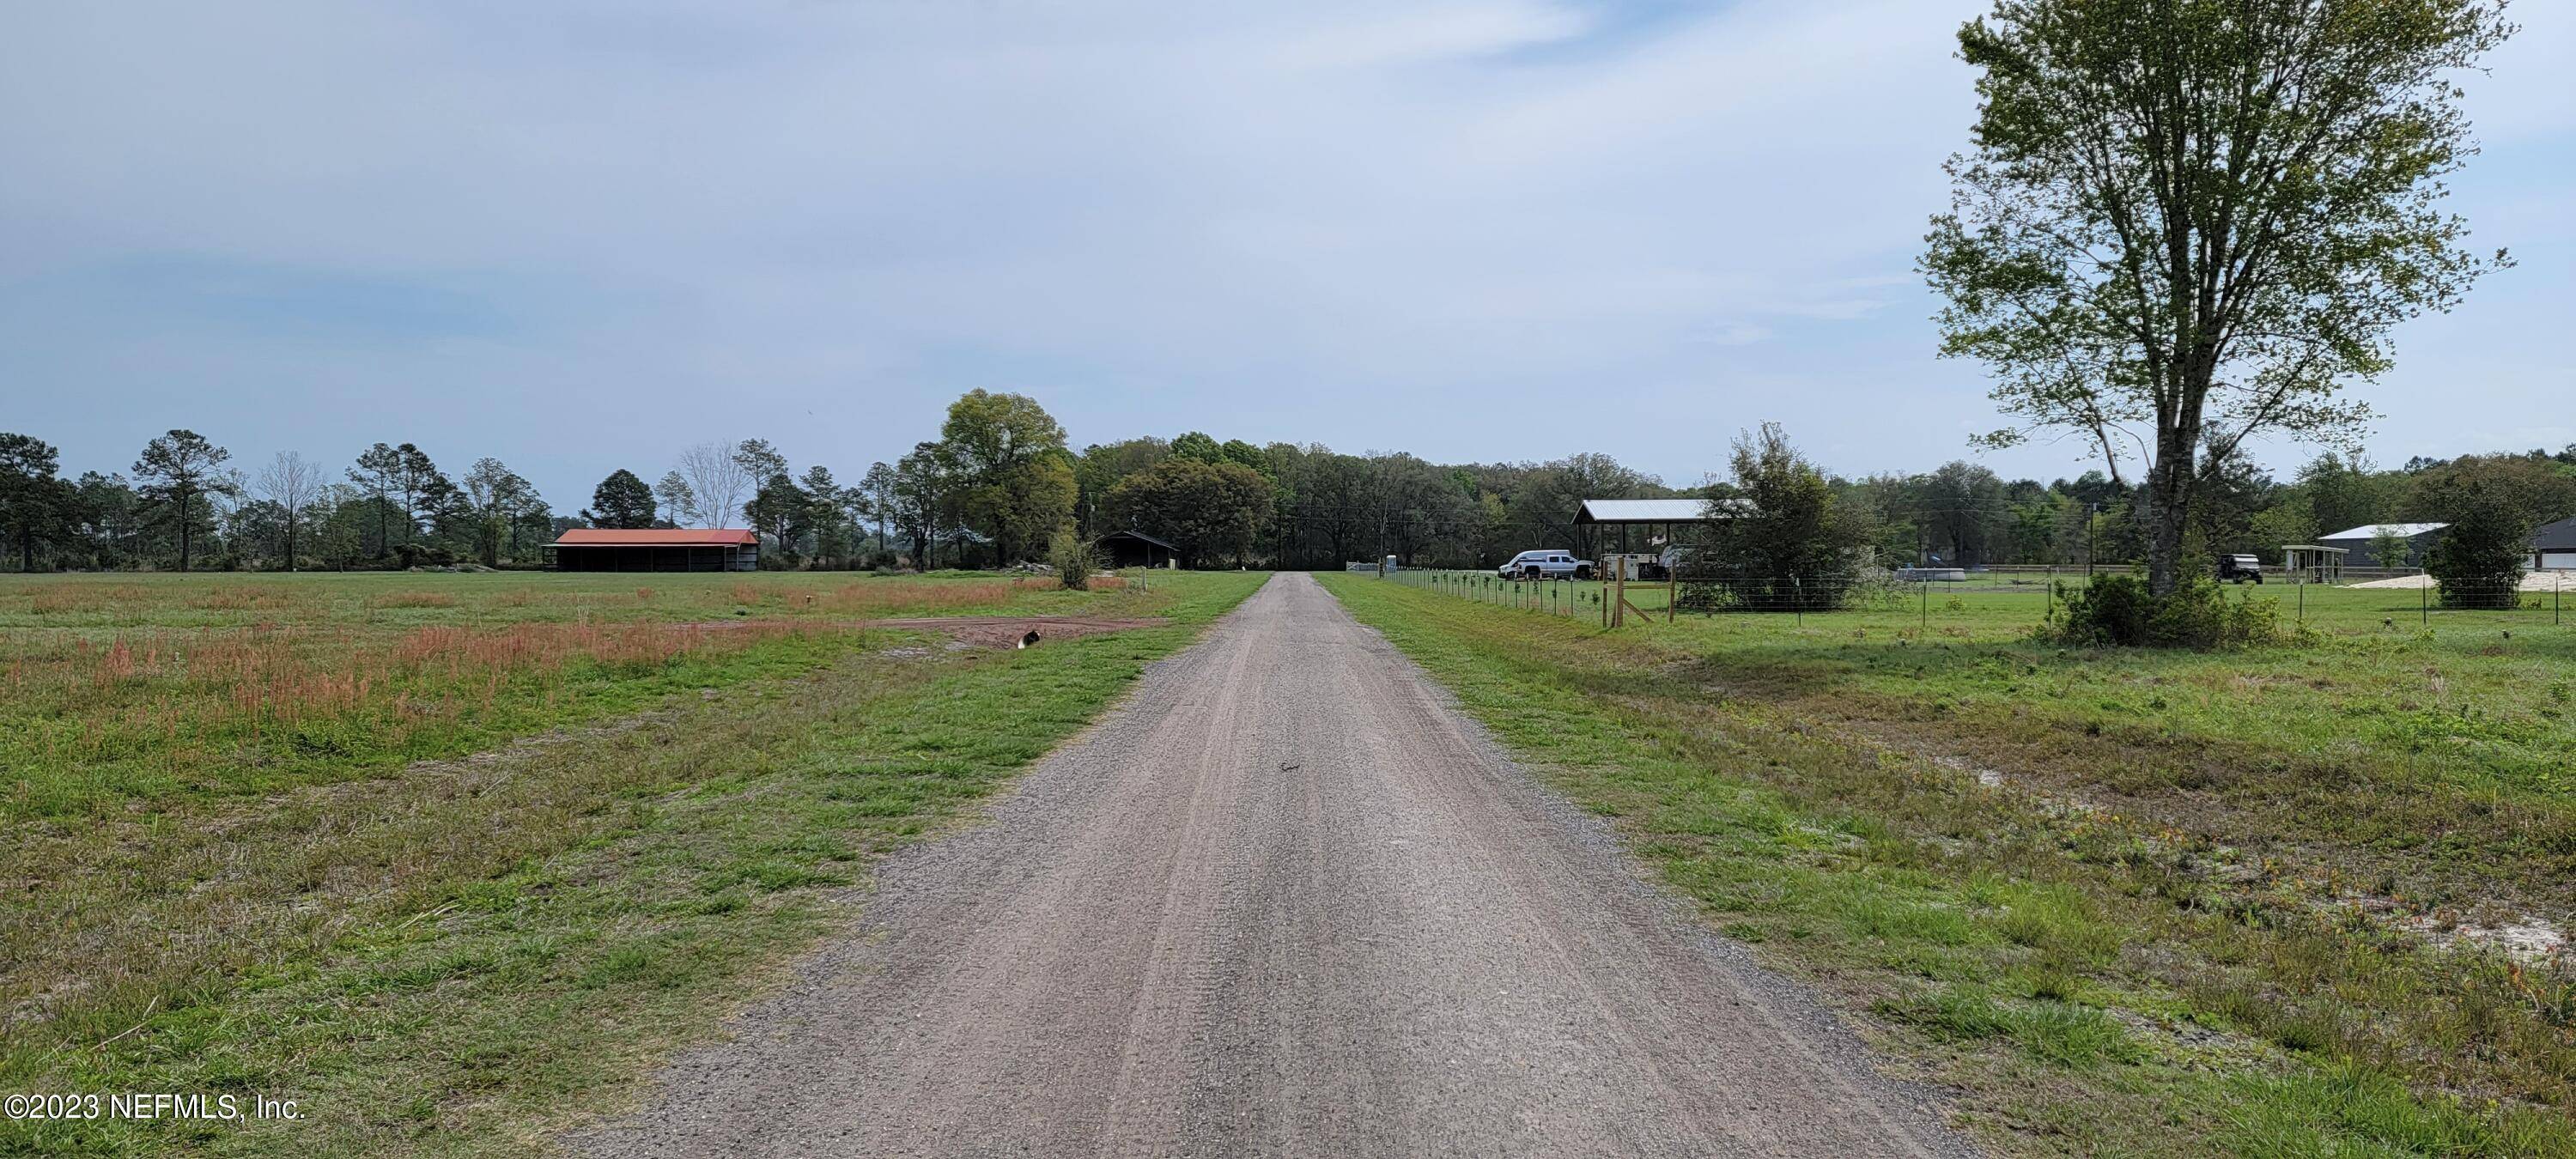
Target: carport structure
x=1655 y=521
x=1135 y=549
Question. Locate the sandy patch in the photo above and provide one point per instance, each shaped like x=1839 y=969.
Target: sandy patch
x=2532 y=581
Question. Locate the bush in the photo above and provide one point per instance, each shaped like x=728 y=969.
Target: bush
x=2117 y=611
x=411 y=555
x=1783 y=521
x=2479 y=561
x=1786 y=544
x=1725 y=593
x=1072 y=560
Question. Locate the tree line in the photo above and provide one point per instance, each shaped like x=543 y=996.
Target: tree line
x=1000 y=482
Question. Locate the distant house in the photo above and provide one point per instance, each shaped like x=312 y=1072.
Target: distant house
x=2553 y=547
x=2360 y=542
x=654 y=549
x=1134 y=549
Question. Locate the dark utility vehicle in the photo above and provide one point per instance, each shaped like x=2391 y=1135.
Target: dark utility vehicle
x=2238 y=569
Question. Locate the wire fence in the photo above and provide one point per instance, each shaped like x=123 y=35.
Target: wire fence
x=2007 y=599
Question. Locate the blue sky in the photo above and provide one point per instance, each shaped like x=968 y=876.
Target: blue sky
x=582 y=236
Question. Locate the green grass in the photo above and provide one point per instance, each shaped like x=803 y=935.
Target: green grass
x=2437 y=757
x=463 y=955
x=124 y=689
x=2185 y=921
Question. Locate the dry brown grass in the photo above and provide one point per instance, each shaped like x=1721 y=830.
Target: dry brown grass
x=259 y=852
x=877 y=596
x=65 y=598
x=412 y=600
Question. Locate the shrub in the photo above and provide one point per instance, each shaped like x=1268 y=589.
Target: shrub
x=1072 y=560
x=2479 y=561
x=1785 y=545
x=1704 y=592
x=411 y=555
x=2118 y=611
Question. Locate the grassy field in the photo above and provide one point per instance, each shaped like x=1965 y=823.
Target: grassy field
x=2016 y=600
x=433 y=855
x=2290 y=901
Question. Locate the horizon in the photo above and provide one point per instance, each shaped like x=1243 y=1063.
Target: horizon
x=1433 y=230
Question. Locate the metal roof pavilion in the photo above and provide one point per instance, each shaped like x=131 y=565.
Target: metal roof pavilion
x=1643 y=511
x=2372 y=530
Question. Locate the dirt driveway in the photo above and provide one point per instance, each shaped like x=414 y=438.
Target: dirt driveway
x=1285 y=901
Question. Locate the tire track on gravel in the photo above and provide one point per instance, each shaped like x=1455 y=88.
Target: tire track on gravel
x=1286 y=900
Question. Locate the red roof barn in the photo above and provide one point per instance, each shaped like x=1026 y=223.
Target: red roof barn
x=655 y=549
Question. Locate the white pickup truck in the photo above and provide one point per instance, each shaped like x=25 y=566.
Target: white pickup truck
x=1545 y=565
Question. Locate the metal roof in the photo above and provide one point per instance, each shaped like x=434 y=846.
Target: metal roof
x=2372 y=530
x=1643 y=511
x=656 y=537
x=2559 y=536
x=1132 y=533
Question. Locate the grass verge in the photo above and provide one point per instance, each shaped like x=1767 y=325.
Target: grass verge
x=2092 y=981
x=463 y=956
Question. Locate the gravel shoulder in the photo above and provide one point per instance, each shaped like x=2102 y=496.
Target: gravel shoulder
x=1284 y=901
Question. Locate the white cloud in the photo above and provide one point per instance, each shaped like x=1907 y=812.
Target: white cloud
x=1392 y=224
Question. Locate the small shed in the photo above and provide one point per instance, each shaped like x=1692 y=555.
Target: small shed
x=654 y=549
x=2359 y=543
x=2553 y=547
x=1135 y=549
x=2316 y=561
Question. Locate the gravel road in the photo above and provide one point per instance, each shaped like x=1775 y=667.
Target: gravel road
x=1285 y=901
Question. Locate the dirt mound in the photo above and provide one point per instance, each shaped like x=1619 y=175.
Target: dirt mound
x=1006 y=631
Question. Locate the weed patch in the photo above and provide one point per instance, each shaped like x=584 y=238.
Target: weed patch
x=2165 y=927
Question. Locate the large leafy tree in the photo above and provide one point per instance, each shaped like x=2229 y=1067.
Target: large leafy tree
x=2344 y=493
x=924 y=493
x=2478 y=561
x=500 y=501
x=878 y=485
x=2534 y=487
x=1547 y=500
x=782 y=511
x=2185 y=222
x=405 y=482
x=830 y=512
x=1198 y=445
x=1209 y=512
x=1016 y=481
x=35 y=503
x=1102 y=465
x=177 y=472
x=1783 y=539
x=378 y=474
x=621 y=500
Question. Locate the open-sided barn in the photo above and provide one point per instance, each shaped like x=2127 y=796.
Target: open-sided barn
x=2361 y=544
x=1135 y=549
x=2553 y=547
x=654 y=549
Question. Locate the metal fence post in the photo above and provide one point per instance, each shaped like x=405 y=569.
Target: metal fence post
x=1927 y=606
x=2424 y=606
x=1798 y=592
